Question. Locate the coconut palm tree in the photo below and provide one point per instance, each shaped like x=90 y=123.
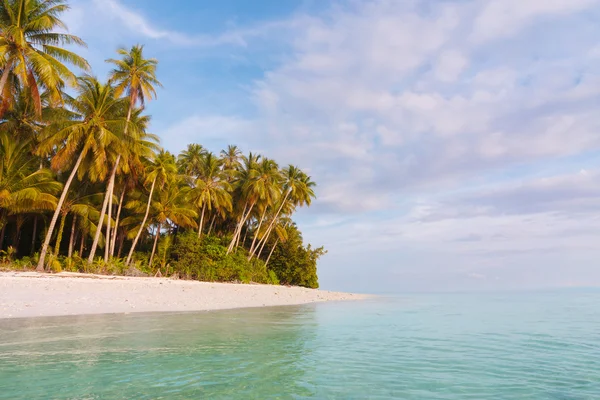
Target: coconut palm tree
x=24 y=188
x=298 y=189
x=134 y=76
x=88 y=138
x=261 y=182
x=211 y=189
x=190 y=160
x=32 y=52
x=160 y=170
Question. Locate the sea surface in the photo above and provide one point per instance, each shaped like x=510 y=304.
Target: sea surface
x=542 y=345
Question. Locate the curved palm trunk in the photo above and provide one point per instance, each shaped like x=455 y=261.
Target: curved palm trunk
x=271 y=253
x=154 y=247
x=252 y=249
x=59 y=235
x=63 y=196
x=201 y=221
x=137 y=237
x=72 y=239
x=114 y=238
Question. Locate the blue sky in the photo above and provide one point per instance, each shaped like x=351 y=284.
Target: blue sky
x=456 y=143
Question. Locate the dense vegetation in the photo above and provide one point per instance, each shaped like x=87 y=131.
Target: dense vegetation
x=85 y=187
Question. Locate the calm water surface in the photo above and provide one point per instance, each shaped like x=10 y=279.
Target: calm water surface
x=543 y=345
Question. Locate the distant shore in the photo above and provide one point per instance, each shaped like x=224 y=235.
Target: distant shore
x=29 y=294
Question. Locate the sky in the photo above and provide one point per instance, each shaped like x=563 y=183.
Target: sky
x=455 y=143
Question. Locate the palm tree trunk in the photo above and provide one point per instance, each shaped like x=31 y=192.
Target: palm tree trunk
x=72 y=239
x=252 y=249
x=63 y=196
x=82 y=244
x=271 y=253
x=121 y=241
x=98 y=231
x=230 y=248
x=109 y=193
x=61 y=228
x=33 y=237
x=212 y=224
x=201 y=221
x=137 y=237
x=266 y=238
x=270 y=228
x=154 y=247
x=114 y=238
x=242 y=223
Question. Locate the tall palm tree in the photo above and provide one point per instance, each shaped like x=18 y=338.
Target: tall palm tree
x=85 y=138
x=231 y=160
x=134 y=76
x=190 y=160
x=299 y=190
x=160 y=170
x=31 y=49
x=261 y=183
x=211 y=189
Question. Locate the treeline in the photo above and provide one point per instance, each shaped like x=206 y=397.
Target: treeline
x=85 y=187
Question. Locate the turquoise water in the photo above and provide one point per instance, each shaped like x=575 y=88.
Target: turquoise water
x=543 y=345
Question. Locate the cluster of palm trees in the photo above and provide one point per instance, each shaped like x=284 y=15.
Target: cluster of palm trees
x=75 y=153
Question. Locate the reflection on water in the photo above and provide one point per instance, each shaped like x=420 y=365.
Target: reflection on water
x=512 y=346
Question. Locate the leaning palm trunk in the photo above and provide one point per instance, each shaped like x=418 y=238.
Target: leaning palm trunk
x=109 y=193
x=236 y=237
x=270 y=228
x=252 y=249
x=137 y=237
x=114 y=238
x=41 y=265
x=201 y=221
x=154 y=247
x=265 y=239
x=72 y=239
x=271 y=253
x=236 y=229
x=98 y=231
x=61 y=229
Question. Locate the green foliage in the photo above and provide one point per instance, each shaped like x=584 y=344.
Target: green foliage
x=206 y=259
x=295 y=264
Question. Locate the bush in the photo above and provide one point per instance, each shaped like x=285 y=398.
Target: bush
x=295 y=264
x=206 y=259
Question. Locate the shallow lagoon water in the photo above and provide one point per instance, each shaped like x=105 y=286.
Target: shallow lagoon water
x=542 y=345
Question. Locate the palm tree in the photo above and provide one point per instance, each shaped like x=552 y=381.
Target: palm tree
x=23 y=187
x=31 y=52
x=190 y=160
x=211 y=189
x=172 y=205
x=260 y=183
x=159 y=171
x=298 y=188
x=135 y=76
x=231 y=160
x=86 y=138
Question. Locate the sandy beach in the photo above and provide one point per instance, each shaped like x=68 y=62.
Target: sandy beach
x=28 y=294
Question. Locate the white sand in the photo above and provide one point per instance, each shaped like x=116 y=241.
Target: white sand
x=25 y=294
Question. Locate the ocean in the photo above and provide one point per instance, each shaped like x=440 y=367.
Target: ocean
x=536 y=345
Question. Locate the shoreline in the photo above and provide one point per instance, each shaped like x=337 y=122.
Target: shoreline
x=32 y=294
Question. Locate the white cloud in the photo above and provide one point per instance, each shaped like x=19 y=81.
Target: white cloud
x=504 y=18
